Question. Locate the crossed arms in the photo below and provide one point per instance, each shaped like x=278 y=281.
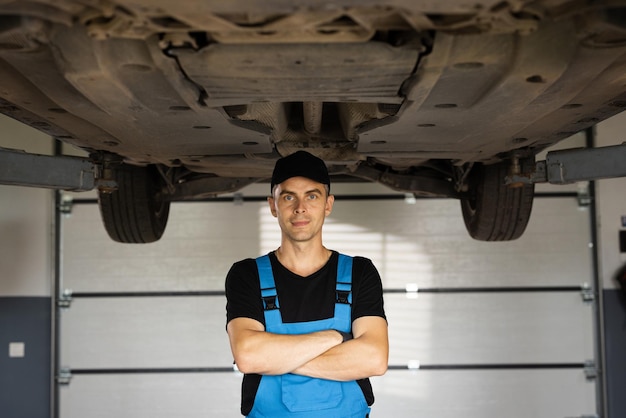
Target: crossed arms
x=321 y=354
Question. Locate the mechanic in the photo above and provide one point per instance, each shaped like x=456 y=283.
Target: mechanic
x=306 y=325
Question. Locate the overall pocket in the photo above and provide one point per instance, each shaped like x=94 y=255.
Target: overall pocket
x=301 y=393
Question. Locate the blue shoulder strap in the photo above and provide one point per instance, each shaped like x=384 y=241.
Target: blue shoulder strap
x=343 y=291
x=344 y=280
x=268 y=291
x=271 y=306
x=268 y=287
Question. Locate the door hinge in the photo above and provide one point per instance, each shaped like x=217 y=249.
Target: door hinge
x=591 y=371
x=65 y=376
x=65 y=206
x=586 y=293
x=65 y=300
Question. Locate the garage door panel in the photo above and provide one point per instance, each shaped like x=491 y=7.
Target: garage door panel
x=137 y=274
x=485 y=393
x=408 y=244
x=145 y=333
x=433 y=394
x=200 y=244
x=152 y=396
x=435 y=329
x=487 y=328
x=427 y=244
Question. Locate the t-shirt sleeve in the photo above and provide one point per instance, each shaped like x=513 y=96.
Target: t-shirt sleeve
x=367 y=290
x=243 y=293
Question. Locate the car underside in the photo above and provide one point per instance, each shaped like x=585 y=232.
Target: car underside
x=192 y=99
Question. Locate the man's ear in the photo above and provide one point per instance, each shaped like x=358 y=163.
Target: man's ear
x=330 y=201
x=270 y=201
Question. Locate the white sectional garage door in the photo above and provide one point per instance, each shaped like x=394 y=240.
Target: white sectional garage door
x=484 y=330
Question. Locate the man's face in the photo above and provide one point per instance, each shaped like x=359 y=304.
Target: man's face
x=300 y=205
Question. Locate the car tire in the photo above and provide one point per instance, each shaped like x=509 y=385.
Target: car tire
x=495 y=211
x=136 y=212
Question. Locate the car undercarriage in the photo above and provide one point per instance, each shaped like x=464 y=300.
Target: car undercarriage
x=191 y=99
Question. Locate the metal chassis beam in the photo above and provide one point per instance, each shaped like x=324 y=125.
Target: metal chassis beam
x=20 y=168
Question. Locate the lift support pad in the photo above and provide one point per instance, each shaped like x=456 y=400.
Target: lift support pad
x=80 y=174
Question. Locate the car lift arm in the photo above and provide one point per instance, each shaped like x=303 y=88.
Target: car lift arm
x=578 y=164
x=54 y=172
x=570 y=166
x=80 y=174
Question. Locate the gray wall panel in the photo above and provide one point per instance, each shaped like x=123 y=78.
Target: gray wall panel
x=25 y=377
x=615 y=328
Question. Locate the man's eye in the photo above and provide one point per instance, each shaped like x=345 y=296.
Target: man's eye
x=312 y=196
x=288 y=197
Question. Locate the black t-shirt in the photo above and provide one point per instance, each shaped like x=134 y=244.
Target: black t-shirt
x=301 y=299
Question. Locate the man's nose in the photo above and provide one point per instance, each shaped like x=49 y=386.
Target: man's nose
x=299 y=207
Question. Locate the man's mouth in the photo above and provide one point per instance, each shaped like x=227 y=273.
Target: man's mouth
x=299 y=223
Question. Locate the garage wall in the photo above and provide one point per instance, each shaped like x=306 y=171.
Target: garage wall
x=611 y=222
x=25 y=221
x=25 y=286
x=611 y=204
x=481 y=331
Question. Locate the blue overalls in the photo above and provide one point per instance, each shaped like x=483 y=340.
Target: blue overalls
x=291 y=395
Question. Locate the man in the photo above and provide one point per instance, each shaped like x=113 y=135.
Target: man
x=306 y=324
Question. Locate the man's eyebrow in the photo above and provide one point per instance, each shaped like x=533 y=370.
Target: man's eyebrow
x=316 y=190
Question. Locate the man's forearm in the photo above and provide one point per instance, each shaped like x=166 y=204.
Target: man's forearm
x=262 y=352
x=365 y=356
x=352 y=360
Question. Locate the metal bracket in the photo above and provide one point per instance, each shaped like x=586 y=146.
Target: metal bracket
x=410 y=199
x=584 y=198
x=587 y=293
x=65 y=206
x=65 y=301
x=64 y=377
x=591 y=371
x=573 y=165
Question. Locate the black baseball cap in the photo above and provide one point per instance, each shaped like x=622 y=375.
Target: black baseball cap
x=300 y=164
